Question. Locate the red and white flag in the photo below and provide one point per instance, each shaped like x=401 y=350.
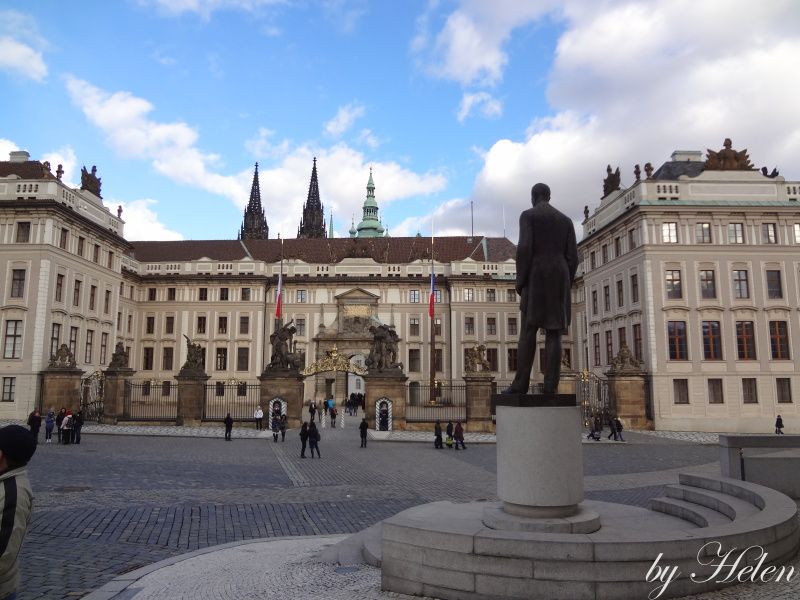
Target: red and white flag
x=431 y=297
x=279 y=302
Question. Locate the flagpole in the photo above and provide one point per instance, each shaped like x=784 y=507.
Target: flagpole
x=431 y=305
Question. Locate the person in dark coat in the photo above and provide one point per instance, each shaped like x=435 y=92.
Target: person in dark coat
x=547 y=258
x=437 y=436
x=618 y=427
x=778 y=425
x=275 y=426
x=35 y=424
x=613 y=427
x=312 y=411
x=59 y=420
x=282 y=426
x=458 y=436
x=449 y=432
x=77 y=425
x=228 y=426
x=303 y=438
x=49 y=423
x=313 y=439
x=363 y=429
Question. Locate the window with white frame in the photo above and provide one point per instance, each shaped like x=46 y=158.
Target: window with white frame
x=669 y=233
x=12 y=348
x=413 y=296
x=736 y=233
x=469 y=295
x=17 y=283
x=9 y=385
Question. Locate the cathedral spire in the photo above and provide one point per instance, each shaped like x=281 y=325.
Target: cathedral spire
x=254 y=224
x=312 y=224
x=370 y=225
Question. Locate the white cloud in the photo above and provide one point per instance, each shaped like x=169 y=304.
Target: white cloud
x=163 y=59
x=21 y=59
x=205 y=8
x=344 y=14
x=368 y=138
x=485 y=103
x=469 y=49
x=64 y=156
x=141 y=221
x=438 y=220
x=170 y=147
x=631 y=82
x=261 y=146
x=6 y=147
x=344 y=119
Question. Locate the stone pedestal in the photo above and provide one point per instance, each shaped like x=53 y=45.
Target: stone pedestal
x=389 y=384
x=287 y=385
x=479 y=402
x=539 y=455
x=628 y=392
x=61 y=387
x=567 y=383
x=191 y=398
x=114 y=394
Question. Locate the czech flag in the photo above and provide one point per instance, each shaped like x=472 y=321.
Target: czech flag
x=431 y=296
x=279 y=303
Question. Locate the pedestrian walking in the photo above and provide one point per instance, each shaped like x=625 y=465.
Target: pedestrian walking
x=313 y=439
x=333 y=412
x=77 y=425
x=282 y=426
x=59 y=420
x=449 y=432
x=363 y=430
x=66 y=428
x=16 y=448
x=779 y=425
x=228 y=427
x=35 y=424
x=275 y=426
x=312 y=411
x=303 y=439
x=437 y=436
x=618 y=428
x=613 y=429
x=458 y=436
x=259 y=417
x=49 y=423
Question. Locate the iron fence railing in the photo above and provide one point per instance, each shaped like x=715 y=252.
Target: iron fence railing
x=445 y=401
x=239 y=398
x=150 y=401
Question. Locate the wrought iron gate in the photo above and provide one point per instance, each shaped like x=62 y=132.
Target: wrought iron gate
x=92 y=396
x=594 y=398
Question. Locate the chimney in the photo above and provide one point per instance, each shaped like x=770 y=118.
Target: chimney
x=18 y=156
x=687 y=156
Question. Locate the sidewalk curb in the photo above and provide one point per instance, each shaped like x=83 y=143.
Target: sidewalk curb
x=117 y=586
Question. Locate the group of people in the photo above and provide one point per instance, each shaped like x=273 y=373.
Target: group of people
x=352 y=404
x=328 y=407
x=614 y=424
x=67 y=425
x=455 y=435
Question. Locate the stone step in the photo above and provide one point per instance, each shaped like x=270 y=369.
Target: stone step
x=697 y=514
x=731 y=506
x=731 y=487
x=371 y=551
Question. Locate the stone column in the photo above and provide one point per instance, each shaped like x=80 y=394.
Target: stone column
x=389 y=384
x=288 y=385
x=627 y=386
x=191 y=397
x=628 y=392
x=479 y=402
x=61 y=387
x=114 y=394
x=567 y=383
x=539 y=455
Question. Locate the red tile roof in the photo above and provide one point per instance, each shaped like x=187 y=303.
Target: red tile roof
x=392 y=250
x=30 y=169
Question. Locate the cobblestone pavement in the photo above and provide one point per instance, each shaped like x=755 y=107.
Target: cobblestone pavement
x=117 y=503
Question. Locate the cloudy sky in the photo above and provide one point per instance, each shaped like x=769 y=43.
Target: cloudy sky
x=450 y=102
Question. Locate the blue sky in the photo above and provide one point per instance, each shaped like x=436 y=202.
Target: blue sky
x=448 y=101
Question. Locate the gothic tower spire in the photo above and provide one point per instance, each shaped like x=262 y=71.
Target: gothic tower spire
x=312 y=224
x=254 y=224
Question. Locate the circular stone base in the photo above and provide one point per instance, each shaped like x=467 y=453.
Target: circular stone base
x=584 y=521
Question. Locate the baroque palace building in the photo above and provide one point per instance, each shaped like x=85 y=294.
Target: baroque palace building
x=695 y=267
x=69 y=276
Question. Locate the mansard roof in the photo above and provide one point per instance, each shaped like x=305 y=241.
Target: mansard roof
x=672 y=170
x=29 y=169
x=391 y=250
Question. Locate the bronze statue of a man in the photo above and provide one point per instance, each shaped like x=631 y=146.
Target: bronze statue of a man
x=547 y=258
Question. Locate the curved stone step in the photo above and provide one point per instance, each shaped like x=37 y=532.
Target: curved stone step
x=732 y=507
x=698 y=514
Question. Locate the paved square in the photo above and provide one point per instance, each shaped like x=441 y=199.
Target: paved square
x=120 y=502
